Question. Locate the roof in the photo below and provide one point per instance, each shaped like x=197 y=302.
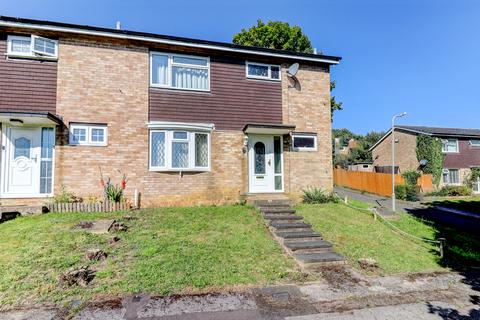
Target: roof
x=268 y=128
x=159 y=38
x=26 y=117
x=433 y=131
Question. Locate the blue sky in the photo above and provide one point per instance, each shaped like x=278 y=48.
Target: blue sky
x=418 y=56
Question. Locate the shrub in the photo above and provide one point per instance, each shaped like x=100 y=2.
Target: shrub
x=66 y=197
x=452 y=191
x=317 y=195
x=411 y=177
x=114 y=193
x=407 y=192
x=401 y=191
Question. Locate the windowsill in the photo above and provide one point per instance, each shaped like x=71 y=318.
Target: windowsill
x=264 y=79
x=179 y=89
x=304 y=149
x=87 y=145
x=445 y=152
x=179 y=170
x=25 y=57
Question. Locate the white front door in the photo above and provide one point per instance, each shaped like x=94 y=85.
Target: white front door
x=265 y=163
x=21 y=174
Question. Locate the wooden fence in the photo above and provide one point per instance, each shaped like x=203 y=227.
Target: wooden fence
x=87 y=207
x=377 y=183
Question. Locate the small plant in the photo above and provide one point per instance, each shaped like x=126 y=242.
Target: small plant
x=113 y=192
x=316 y=195
x=401 y=191
x=411 y=177
x=66 y=197
x=407 y=192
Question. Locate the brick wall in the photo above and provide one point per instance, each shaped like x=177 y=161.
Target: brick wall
x=306 y=105
x=405 y=151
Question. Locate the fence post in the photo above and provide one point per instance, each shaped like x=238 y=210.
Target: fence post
x=442 y=247
x=346 y=199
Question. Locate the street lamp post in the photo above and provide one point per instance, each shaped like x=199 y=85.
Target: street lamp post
x=393 y=157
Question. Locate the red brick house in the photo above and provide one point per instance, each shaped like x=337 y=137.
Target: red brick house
x=460 y=146
x=188 y=121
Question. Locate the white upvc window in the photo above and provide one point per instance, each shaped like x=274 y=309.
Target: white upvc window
x=450 y=145
x=88 y=134
x=33 y=46
x=263 y=71
x=304 y=142
x=177 y=71
x=179 y=150
x=475 y=143
x=451 y=176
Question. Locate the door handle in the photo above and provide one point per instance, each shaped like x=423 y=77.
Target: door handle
x=35 y=158
x=269 y=162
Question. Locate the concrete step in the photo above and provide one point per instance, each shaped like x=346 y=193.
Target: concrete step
x=298 y=235
x=289 y=225
x=286 y=210
x=282 y=217
x=273 y=203
x=307 y=245
x=319 y=258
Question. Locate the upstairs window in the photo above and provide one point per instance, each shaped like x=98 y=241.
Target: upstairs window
x=450 y=145
x=175 y=150
x=32 y=47
x=475 y=143
x=179 y=71
x=88 y=134
x=263 y=71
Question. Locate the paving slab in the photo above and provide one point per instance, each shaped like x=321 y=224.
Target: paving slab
x=34 y=314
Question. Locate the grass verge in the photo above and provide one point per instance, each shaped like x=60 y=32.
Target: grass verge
x=165 y=251
x=356 y=235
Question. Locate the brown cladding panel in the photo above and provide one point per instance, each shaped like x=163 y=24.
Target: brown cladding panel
x=467 y=156
x=26 y=85
x=232 y=101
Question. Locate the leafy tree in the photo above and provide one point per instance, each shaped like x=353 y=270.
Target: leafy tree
x=274 y=35
x=361 y=153
x=280 y=35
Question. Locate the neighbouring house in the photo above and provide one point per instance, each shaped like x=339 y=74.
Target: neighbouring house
x=341 y=149
x=460 y=146
x=361 y=166
x=188 y=121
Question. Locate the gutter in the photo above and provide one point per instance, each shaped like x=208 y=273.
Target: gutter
x=125 y=36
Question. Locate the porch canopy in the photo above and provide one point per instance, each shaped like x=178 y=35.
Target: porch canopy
x=20 y=118
x=268 y=128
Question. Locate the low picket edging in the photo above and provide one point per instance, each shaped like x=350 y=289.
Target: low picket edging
x=88 y=207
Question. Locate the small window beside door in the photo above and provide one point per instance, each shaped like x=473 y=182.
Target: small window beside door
x=304 y=142
x=88 y=134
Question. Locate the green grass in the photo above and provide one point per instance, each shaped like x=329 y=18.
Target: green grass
x=165 y=251
x=470 y=204
x=356 y=235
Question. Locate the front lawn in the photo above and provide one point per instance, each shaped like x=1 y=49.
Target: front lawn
x=165 y=251
x=471 y=204
x=356 y=235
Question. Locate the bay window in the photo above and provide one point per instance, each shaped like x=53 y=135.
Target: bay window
x=179 y=71
x=179 y=150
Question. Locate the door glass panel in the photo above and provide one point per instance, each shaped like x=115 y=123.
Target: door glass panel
x=48 y=142
x=259 y=150
x=278 y=182
x=277 y=150
x=22 y=148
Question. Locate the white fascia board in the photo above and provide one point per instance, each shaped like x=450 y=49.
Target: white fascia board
x=207 y=127
x=156 y=40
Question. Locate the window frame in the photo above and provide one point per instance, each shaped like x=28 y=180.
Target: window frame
x=170 y=66
x=447 y=171
x=269 y=77
x=303 y=135
x=470 y=142
x=32 y=54
x=443 y=145
x=169 y=140
x=88 y=127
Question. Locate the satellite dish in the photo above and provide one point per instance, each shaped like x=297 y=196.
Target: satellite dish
x=292 y=71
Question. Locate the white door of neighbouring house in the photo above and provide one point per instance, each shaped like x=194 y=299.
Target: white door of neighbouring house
x=21 y=167
x=265 y=160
